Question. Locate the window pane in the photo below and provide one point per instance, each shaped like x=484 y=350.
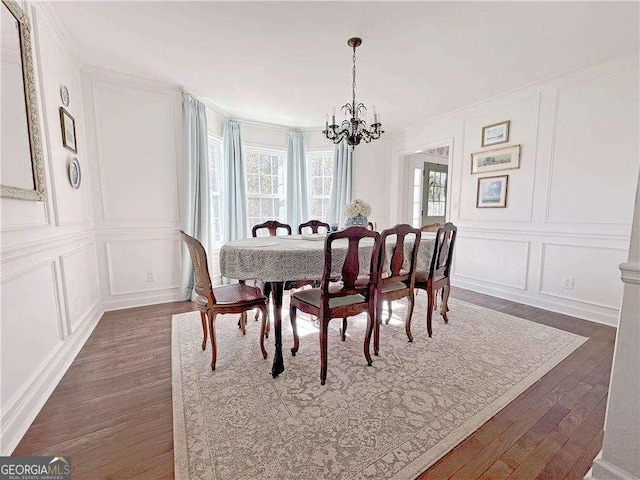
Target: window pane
x=266 y=185
x=265 y=165
x=267 y=208
x=316 y=186
x=253 y=185
x=279 y=184
x=252 y=165
x=327 y=185
x=328 y=166
x=254 y=207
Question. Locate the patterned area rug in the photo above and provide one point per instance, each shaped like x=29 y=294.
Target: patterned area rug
x=391 y=420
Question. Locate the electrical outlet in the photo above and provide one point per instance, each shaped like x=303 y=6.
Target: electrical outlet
x=151 y=276
x=567 y=283
x=76 y=303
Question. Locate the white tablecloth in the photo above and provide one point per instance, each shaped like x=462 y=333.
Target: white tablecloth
x=283 y=258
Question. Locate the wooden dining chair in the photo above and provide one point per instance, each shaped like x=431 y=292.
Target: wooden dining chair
x=211 y=302
x=371 y=226
x=395 y=280
x=432 y=228
x=314 y=225
x=439 y=271
x=351 y=297
x=272 y=226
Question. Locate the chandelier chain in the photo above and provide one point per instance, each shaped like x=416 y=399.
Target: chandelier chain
x=353 y=83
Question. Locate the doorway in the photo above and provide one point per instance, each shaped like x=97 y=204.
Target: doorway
x=430 y=176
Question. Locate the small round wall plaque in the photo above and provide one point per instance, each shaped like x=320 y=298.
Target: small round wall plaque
x=64 y=95
x=75 y=175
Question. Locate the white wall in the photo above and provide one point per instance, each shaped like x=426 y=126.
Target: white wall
x=570 y=203
x=134 y=138
x=49 y=282
x=372 y=171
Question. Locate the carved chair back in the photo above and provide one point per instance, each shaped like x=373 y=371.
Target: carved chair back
x=201 y=275
x=443 y=251
x=431 y=227
x=272 y=226
x=351 y=266
x=314 y=225
x=396 y=271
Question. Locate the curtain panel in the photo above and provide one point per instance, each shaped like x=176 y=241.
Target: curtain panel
x=196 y=187
x=234 y=195
x=297 y=181
x=342 y=186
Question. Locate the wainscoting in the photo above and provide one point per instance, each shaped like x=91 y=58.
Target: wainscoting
x=50 y=287
x=566 y=228
x=137 y=187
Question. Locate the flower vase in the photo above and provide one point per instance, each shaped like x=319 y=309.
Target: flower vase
x=358 y=220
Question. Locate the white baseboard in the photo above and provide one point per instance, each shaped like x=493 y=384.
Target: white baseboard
x=603 y=470
x=140 y=301
x=17 y=419
x=588 y=312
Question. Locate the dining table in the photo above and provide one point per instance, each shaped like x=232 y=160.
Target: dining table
x=289 y=258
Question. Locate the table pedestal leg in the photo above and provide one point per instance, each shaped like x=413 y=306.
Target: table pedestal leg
x=276 y=296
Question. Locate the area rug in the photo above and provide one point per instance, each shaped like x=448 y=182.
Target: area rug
x=391 y=420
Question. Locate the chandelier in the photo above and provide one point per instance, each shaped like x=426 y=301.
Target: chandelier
x=353 y=129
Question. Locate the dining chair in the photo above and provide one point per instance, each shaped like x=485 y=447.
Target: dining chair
x=439 y=271
x=352 y=296
x=395 y=281
x=371 y=226
x=272 y=226
x=314 y=225
x=211 y=302
x=432 y=228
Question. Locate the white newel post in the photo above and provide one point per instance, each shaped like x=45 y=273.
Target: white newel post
x=620 y=455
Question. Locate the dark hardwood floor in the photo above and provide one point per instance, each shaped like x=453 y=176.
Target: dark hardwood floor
x=112 y=411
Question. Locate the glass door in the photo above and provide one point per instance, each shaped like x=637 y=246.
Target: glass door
x=434 y=191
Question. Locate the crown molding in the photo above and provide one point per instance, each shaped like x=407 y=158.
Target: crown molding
x=47 y=17
x=98 y=71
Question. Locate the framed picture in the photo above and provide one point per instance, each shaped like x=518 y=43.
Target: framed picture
x=492 y=192
x=68 y=125
x=495 y=134
x=505 y=158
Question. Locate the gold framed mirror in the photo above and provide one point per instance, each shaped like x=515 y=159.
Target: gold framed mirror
x=21 y=168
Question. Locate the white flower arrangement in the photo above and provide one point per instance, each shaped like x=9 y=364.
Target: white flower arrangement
x=357 y=207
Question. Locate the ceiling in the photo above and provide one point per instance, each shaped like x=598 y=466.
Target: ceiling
x=288 y=63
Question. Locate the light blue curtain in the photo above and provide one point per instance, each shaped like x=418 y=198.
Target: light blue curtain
x=342 y=186
x=297 y=184
x=196 y=188
x=234 y=195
